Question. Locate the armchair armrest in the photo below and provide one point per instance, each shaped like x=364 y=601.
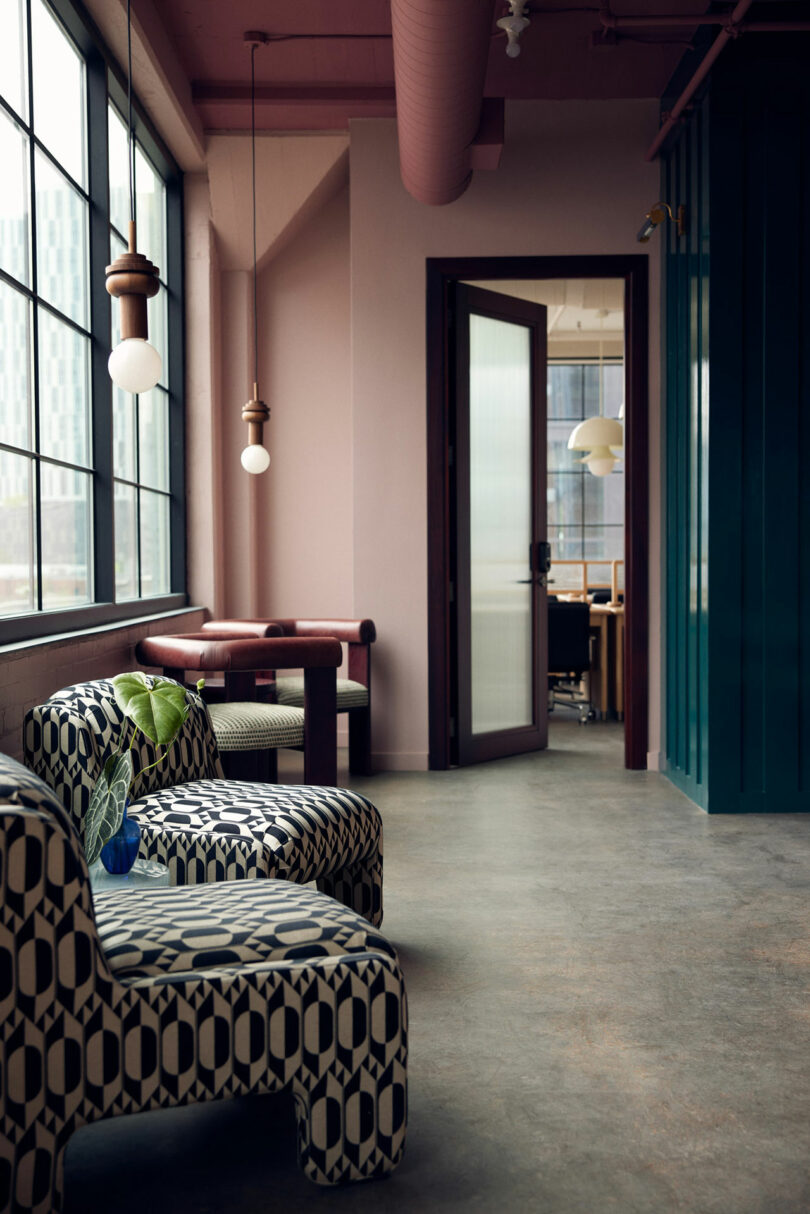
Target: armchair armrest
x=352 y=631
x=223 y=651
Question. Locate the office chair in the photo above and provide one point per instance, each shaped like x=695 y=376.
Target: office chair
x=569 y=657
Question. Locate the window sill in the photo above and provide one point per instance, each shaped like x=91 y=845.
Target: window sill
x=94 y=630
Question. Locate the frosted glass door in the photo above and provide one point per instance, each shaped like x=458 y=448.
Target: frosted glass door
x=499 y=490
x=501 y=592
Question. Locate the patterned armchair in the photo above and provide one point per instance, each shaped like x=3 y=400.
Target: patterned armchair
x=113 y=1004
x=203 y=827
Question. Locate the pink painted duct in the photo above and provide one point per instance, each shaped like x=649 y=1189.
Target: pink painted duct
x=440 y=61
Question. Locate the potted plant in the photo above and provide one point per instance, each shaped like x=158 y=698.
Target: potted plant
x=158 y=708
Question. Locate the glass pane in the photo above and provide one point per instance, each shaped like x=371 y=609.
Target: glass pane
x=590 y=390
x=157 y=331
x=153 y=420
x=66 y=567
x=150 y=211
x=154 y=544
x=17 y=565
x=614 y=388
x=566 y=545
x=14 y=201
x=559 y=457
x=15 y=368
x=119 y=174
x=64 y=391
x=59 y=111
x=500 y=525
x=564 y=498
x=565 y=392
x=604 y=499
x=62 y=272
x=605 y=542
x=126 y=543
x=124 y=435
x=13 y=57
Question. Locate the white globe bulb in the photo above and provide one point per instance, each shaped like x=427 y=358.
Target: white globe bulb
x=134 y=365
x=513 y=49
x=255 y=459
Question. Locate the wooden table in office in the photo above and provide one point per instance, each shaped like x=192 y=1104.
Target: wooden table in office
x=602 y=615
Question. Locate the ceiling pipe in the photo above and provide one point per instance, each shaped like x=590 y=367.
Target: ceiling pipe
x=440 y=62
x=715 y=50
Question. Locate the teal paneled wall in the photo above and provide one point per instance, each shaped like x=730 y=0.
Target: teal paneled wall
x=737 y=349
x=686 y=325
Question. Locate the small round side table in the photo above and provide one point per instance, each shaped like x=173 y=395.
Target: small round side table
x=144 y=874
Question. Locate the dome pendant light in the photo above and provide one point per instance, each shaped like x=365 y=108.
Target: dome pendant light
x=255 y=457
x=596 y=435
x=134 y=365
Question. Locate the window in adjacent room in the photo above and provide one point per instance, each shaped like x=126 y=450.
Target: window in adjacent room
x=91 y=522
x=585 y=512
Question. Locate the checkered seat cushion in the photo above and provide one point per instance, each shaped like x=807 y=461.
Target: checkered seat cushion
x=174 y=931
x=203 y=827
x=127 y=1002
x=290 y=690
x=251 y=725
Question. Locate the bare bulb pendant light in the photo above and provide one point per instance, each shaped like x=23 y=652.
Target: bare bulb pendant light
x=255 y=457
x=134 y=365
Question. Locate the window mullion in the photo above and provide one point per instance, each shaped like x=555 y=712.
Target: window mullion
x=175 y=381
x=100 y=325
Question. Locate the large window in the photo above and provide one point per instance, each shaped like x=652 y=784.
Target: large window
x=585 y=512
x=91 y=523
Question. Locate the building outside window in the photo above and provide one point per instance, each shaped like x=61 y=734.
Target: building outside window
x=91 y=520
x=585 y=512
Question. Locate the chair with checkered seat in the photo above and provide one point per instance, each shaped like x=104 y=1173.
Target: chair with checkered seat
x=250 y=731
x=111 y=1003
x=204 y=827
x=353 y=694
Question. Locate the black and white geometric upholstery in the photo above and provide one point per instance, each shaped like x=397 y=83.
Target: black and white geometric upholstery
x=153 y=999
x=203 y=827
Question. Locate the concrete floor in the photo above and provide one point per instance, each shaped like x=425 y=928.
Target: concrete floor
x=609 y=1011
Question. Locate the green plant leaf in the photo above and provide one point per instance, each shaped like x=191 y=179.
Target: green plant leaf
x=105 y=813
x=158 y=710
x=200 y=684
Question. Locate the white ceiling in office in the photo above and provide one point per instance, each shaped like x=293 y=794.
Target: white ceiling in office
x=580 y=310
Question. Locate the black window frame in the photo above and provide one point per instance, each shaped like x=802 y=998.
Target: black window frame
x=105 y=82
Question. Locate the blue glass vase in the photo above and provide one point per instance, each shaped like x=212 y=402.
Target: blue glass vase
x=120 y=852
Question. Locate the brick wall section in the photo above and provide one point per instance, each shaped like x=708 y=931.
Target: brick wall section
x=28 y=675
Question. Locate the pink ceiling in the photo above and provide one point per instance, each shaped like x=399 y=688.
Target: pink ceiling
x=332 y=59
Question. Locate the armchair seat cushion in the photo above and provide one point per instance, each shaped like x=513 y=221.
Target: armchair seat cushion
x=251 y=725
x=232 y=923
x=255 y=830
x=290 y=690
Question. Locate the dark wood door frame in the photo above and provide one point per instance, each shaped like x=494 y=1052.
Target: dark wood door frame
x=441 y=272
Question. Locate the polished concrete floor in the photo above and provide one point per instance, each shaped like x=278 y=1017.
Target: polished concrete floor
x=609 y=1011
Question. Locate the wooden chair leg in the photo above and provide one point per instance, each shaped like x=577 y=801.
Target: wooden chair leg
x=360 y=742
x=257 y=766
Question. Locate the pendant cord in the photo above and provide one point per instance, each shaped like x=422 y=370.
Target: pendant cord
x=130 y=134
x=253 y=161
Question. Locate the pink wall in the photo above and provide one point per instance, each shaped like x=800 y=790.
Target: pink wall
x=305 y=499
x=572 y=180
